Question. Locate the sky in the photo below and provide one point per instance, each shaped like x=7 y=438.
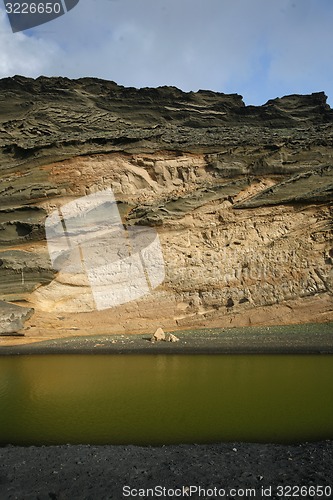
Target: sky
x=260 y=49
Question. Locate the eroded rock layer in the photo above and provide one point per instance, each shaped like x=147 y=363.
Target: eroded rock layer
x=241 y=198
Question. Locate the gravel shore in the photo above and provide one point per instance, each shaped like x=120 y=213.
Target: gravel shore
x=238 y=470
x=310 y=338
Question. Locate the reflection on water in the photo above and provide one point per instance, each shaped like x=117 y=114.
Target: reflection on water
x=162 y=399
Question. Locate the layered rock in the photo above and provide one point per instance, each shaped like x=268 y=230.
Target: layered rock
x=241 y=197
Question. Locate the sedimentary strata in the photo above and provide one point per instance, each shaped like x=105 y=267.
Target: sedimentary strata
x=241 y=197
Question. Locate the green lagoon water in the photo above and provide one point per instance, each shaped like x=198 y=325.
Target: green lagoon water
x=163 y=399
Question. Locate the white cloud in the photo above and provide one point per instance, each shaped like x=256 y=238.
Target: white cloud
x=23 y=55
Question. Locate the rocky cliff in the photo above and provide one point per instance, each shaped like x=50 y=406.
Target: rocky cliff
x=241 y=197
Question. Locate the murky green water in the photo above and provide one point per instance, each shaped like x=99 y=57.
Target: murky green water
x=162 y=399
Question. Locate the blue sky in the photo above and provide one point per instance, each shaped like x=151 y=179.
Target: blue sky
x=260 y=49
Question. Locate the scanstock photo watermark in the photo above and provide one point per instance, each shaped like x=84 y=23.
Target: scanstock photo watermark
x=214 y=492
x=89 y=244
x=27 y=14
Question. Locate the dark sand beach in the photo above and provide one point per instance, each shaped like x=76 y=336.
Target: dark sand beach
x=236 y=470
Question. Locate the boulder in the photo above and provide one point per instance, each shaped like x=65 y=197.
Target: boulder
x=158 y=335
x=12 y=318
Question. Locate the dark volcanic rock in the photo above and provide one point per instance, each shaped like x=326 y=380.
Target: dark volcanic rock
x=21 y=225
x=21 y=272
x=48 y=118
x=316 y=185
x=12 y=318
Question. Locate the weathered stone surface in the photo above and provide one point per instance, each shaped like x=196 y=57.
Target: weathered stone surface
x=12 y=318
x=158 y=335
x=241 y=197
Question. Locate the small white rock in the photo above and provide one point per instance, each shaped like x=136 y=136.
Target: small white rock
x=172 y=338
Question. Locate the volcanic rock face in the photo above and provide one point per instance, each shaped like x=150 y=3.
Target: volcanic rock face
x=241 y=197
